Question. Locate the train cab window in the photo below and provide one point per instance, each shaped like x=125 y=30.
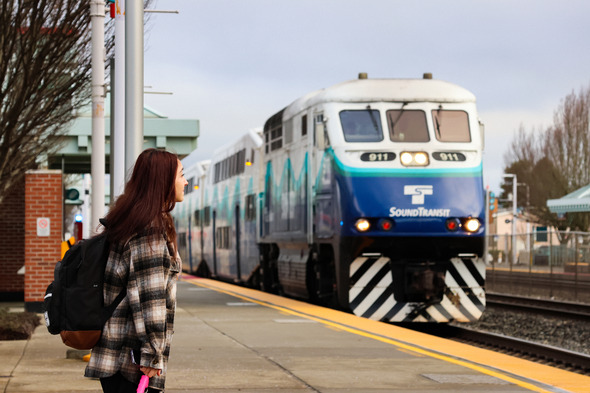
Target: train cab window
x=451 y=126
x=407 y=126
x=361 y=125
x=304 y=125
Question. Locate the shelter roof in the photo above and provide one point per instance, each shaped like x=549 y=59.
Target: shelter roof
x=574 y=202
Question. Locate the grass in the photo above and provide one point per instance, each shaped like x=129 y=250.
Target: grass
x=17 y=325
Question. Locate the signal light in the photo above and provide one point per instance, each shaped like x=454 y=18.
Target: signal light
x=492 y=206
x=385 y=224
x=453 y=224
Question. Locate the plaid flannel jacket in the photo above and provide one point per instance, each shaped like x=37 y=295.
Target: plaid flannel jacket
x=142 y=325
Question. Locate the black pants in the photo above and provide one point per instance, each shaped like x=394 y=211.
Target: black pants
x=119 y=384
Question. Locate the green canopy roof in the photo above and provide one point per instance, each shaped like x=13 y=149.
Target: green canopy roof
x=575 y=202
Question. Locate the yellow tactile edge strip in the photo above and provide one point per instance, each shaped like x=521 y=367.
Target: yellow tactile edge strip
x=485 y=361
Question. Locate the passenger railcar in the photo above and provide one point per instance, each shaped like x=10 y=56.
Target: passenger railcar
x=365 y=196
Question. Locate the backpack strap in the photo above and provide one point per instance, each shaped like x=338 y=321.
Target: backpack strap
x=107 y=312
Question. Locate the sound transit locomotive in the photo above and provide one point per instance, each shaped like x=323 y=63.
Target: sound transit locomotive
x=365 y=196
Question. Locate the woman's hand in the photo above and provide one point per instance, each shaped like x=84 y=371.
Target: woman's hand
x=150 y=372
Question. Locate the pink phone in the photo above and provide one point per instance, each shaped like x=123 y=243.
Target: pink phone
x=143 y=384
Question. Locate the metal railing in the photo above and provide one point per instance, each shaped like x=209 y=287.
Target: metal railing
x=547 y=265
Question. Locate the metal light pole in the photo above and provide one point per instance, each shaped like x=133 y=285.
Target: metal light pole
x=97 y=161
x=118 y=97
x=133 y=81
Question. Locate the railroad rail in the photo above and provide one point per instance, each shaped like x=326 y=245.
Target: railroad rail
x=572 y=310
x=546 y=354
x=541 y=284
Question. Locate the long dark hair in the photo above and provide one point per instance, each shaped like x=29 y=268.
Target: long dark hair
x=148 y=199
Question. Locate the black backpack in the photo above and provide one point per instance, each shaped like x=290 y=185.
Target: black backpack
x=74 y=303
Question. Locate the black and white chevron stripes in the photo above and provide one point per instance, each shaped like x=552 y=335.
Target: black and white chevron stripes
x=371 y=293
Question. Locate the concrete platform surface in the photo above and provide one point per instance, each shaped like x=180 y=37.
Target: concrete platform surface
x=238 y=340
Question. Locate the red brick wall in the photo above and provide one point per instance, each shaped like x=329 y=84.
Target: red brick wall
x=43 y=199
x=12 y=243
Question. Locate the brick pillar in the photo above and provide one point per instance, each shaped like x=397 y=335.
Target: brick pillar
x=12 y=243
x=43 y=233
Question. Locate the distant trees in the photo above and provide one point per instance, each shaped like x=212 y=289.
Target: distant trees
x=44 y=78
x=553 y=162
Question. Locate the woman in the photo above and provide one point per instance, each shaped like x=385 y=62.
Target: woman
x=144 y=260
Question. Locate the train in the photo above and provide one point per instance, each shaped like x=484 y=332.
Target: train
x=366 y=196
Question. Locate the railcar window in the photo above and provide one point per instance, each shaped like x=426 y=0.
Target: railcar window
x=273 y=132
x=250 y=208
x=407 y=126
x=451 y=126
x=361 y=125
x=222 y=238
x=197 y=218
x=231 y=166
x=207 y=216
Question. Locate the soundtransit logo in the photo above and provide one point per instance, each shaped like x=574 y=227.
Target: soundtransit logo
x=418 y=192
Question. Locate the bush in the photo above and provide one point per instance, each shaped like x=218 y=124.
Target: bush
x=17 y=325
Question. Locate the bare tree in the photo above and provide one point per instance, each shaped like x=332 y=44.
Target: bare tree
x=567 y=141
x=44 y=78
x=554 y=162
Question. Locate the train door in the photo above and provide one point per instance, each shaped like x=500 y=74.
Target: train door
x=322 y=169
x=214 y=243
x=190 y=243
x=237 y=231
x=202 y=235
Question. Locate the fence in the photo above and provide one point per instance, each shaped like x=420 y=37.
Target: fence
x=540 y=265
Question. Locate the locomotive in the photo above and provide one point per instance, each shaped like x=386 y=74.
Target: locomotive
x=365 y=196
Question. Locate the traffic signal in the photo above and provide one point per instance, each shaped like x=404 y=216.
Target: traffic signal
x=493 y=205
x=111 y=4
x=78 y=227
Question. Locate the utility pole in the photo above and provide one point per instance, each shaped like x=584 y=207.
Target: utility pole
x=97 y=160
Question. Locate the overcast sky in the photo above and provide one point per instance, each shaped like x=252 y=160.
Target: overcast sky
x=234 y=63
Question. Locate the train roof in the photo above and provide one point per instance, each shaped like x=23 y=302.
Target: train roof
x=253 y=135
x=384 y=90
x=199 y=167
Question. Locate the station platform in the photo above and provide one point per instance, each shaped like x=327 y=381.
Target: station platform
x=233 y=339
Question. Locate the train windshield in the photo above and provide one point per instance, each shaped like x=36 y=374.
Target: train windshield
x=361 y=125
x=451 y=126
x=407 y=126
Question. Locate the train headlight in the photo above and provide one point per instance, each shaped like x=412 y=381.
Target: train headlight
x=472 y=225
x=416 y=158
x=406 y=158
x=362 y=225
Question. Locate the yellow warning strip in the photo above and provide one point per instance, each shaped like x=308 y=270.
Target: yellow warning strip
x=475 y=358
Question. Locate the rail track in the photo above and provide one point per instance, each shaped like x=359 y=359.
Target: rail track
x=571 y=310
x=546 y=354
